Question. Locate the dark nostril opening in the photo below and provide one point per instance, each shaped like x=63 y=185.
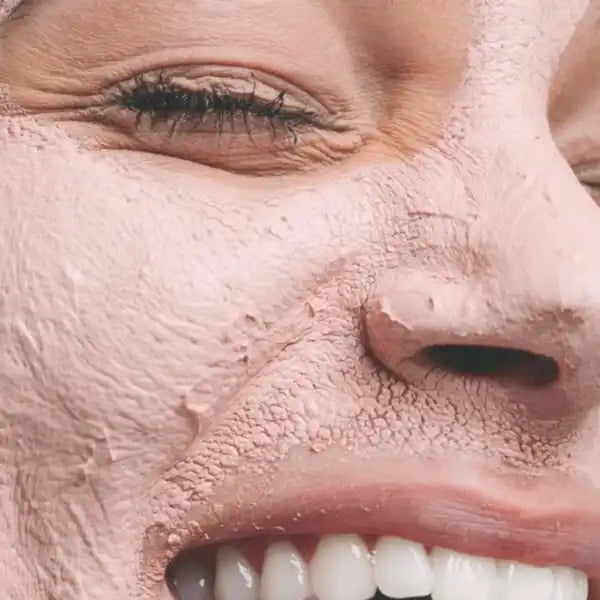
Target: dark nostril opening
x=520 y=366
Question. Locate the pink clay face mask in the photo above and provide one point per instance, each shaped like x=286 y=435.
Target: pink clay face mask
x=285 y=269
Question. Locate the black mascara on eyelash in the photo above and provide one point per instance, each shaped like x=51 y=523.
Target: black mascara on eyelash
x=162 y=101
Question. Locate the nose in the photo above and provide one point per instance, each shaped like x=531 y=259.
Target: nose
x=524 y=316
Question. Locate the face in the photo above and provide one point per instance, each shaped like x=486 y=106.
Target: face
x=276 y=270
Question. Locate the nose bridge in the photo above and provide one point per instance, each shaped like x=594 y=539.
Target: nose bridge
x=538 y=232
x=535 y=240
x=537 y=229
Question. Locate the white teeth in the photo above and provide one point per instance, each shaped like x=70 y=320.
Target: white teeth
x=522 y=582
x=284 y=575
x=235 y=579
x=402 y=568
x=463 y=577
x=569 y=584
x=341 y=569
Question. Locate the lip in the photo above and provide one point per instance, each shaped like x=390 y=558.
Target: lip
x=452 y=504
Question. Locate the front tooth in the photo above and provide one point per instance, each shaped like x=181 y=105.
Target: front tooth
x=402 y=568
x=235 y=578
x=341 y=569
x=522 y=582
x=284 y=574
x=462 y=577
x=191 y=578
x=569 y=584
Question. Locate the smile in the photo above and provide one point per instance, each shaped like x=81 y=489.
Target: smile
x=434 y=536
x=346 y=567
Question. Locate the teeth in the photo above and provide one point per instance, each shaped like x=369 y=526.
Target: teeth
x=569 y=584
x=284 y=575
x=236 y=579
x=521 y=582
x=462 y=577
x=402 y=568
x=193 y=579
x=341 y=569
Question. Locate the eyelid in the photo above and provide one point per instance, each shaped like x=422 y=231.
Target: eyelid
x=161 y=101
x=238 y=79
x=208 y=98
x=264 y=152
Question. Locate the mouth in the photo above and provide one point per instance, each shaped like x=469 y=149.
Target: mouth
x=419 y=529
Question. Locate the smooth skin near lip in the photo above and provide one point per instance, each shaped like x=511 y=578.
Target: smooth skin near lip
x=269 y=266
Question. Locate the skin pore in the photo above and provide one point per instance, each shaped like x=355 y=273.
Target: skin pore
x=218 y=327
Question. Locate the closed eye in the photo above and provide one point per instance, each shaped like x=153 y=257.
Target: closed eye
x=160 y=100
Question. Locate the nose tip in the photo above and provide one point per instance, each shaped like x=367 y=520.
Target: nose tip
x=415 y=322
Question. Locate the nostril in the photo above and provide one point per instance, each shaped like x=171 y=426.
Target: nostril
x=520 y=366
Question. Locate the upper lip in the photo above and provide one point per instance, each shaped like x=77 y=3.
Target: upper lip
x=540 y=520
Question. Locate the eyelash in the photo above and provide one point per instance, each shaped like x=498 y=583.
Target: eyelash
x=165 y=102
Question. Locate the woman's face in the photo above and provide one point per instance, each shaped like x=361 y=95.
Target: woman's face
x=273 y=268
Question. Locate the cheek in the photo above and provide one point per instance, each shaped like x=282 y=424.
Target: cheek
x=111 y=309
x=137 y=302
x=135 y=306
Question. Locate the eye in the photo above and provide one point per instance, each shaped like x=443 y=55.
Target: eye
x=239 y=123
x=162 y=100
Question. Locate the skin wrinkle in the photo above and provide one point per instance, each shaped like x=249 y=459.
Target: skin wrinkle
x=179 y=341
